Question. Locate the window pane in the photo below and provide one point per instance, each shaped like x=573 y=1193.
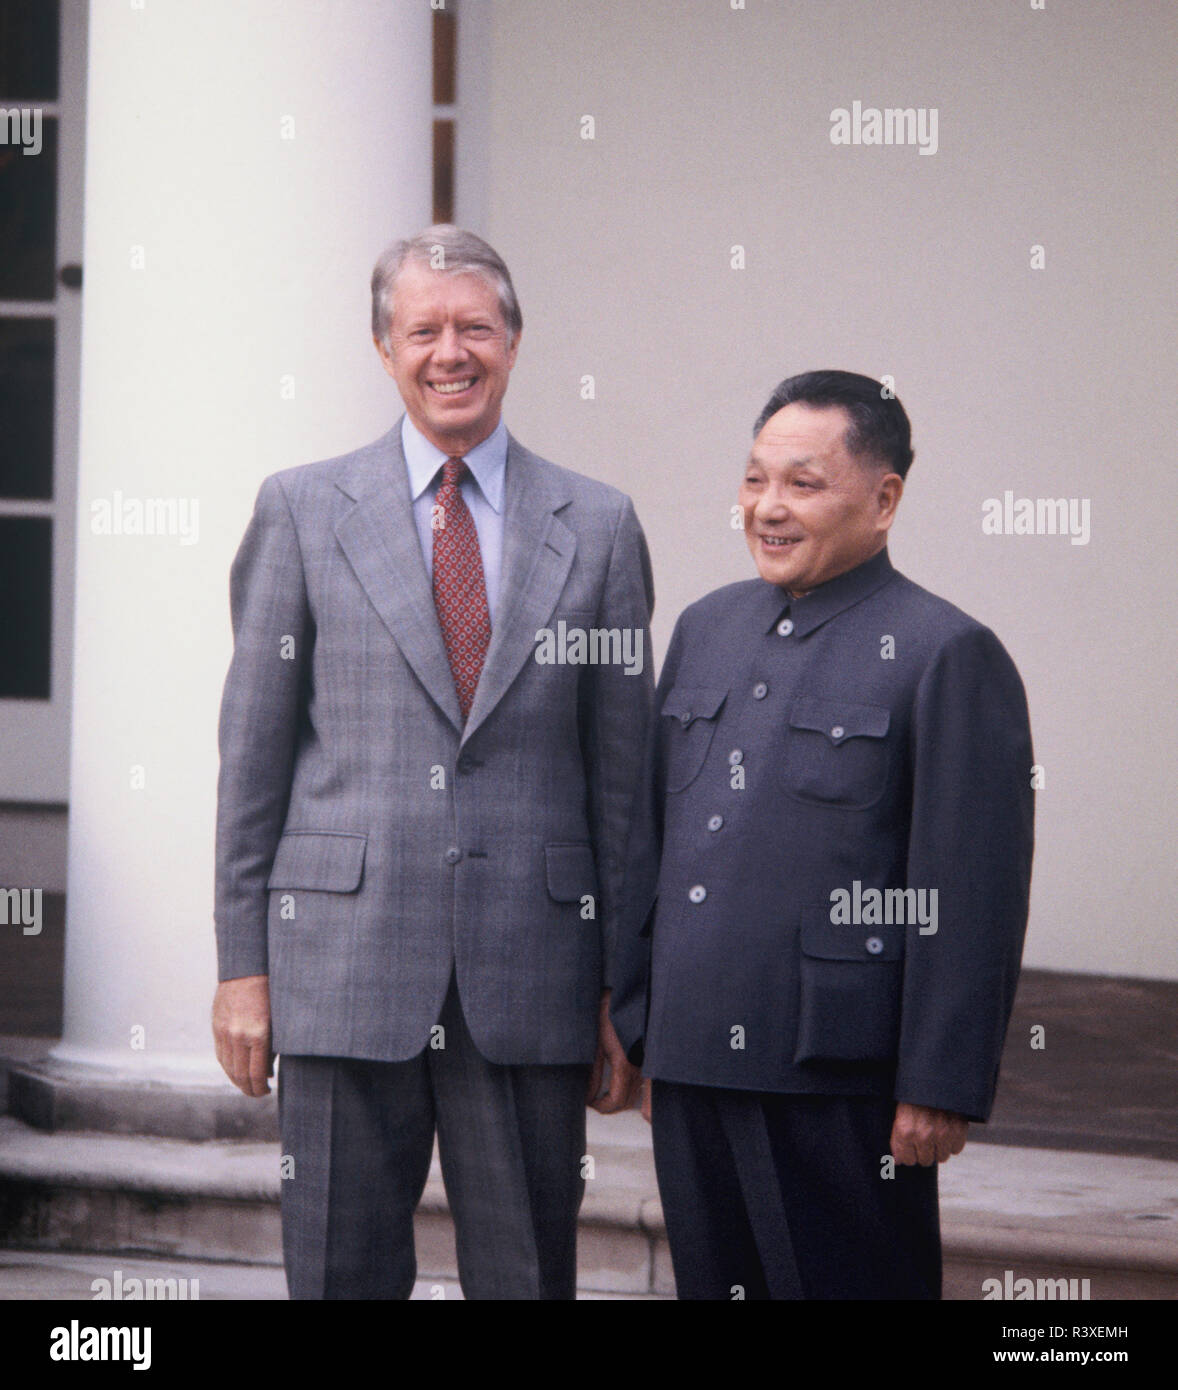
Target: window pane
x=443 y=171
x=26 y=555
x=28 y=217
x=26 y=408
x=28 y=50
x=445 y=56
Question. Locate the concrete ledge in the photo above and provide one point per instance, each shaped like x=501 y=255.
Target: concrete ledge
x=1040 y=1213
x=54 y=1096
x=225 y=1170
x=1111 y=1211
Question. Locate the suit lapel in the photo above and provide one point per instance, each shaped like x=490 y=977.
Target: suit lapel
x=538 y=551
x=379 y=537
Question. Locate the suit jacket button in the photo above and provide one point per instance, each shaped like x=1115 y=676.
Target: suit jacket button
x=760 y=690
x=735 y=757
x=452 y=855
x=698 y=893
x=685 y=717
x=785 y=627
x=874 y=945
x=715 y=822
x=838 y=731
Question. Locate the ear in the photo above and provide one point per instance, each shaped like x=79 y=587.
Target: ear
x=888 y=494
x=513 y=350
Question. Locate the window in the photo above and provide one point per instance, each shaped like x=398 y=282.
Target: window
x=445 y=99
x=42 y=99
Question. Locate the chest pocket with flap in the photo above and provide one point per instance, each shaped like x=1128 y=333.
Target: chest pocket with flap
x=837 y=753
x=689 y=714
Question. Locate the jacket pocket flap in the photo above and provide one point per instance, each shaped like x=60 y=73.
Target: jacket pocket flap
x=839 y=721
x=572 y=874
x=330 y=861
x=827 y=940
x=690 y=702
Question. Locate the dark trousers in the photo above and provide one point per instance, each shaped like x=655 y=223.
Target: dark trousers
x=772 y=1196
x=360 y=1138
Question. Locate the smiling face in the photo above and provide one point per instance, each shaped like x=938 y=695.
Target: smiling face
x=811 y=510
x=450 y=354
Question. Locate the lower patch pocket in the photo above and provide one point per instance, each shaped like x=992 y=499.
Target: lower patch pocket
x=851 y=980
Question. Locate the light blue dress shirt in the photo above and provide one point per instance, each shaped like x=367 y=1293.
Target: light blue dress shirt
x=482 y=491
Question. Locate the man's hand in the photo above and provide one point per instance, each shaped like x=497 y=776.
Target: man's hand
x=926 y=1136
x=241 y=1032
x=623 y=1078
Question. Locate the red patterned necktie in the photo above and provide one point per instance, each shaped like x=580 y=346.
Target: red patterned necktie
x=460 y=591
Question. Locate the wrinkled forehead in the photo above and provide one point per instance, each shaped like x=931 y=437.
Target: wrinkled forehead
x=803 y=436
x=418 y=277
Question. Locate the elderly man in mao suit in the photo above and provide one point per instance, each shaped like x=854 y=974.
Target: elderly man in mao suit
x=420 y=825
x=829 y=880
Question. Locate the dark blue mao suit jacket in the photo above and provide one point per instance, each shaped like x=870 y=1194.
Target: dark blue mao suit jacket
x=867 y=734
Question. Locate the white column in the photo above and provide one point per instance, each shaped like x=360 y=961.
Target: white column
x=246 y=162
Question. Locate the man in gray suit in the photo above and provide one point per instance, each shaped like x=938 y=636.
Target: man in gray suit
x=429 y=737
x=829 y=882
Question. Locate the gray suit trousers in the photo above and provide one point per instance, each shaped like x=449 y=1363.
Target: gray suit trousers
x=361 y=1133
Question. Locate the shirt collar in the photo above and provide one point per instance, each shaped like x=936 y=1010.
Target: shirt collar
x=829 y=599
x=487 y=461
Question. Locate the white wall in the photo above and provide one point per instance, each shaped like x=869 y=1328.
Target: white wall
x=1055 y=127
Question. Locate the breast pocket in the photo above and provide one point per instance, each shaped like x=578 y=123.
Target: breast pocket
x=837 y=753
x=690 y=713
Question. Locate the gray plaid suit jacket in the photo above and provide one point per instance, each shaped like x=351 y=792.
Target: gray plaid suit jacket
x=367 y=842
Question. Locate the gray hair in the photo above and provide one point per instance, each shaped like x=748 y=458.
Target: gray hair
x=451 y=251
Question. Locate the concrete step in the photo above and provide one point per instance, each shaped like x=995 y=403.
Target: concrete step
x=1038 y=1213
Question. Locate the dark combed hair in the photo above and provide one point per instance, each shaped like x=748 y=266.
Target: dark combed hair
x=878 y=429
